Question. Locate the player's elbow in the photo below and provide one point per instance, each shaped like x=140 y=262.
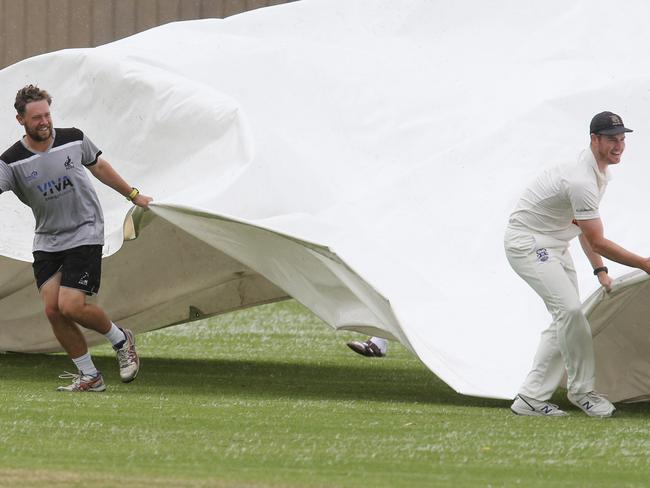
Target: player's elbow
x=599 y=245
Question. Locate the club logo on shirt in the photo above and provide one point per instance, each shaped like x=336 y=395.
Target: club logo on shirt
x=54 y=188
x=32 y=176
x=68 y=163
x=542 y=254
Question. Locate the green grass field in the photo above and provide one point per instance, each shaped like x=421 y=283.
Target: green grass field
x=270 y=396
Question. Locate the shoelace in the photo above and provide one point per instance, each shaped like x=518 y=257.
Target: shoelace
x=67 y=375
x=75 y=377
x=124 y=356
x=596 y=397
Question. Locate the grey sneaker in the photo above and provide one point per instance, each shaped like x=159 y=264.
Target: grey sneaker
x=368 y=348
x=524 y=405
x=83 y=382
x=593 y=404
x=128 y=359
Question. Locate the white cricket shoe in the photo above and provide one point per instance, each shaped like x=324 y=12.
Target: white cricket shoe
x=524 y=405
x=83 y=382
x=593 y=404
x=128 y=359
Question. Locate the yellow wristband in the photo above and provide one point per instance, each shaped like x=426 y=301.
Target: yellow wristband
x=134 y=193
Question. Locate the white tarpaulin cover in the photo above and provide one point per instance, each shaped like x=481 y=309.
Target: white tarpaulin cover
x=360 y=156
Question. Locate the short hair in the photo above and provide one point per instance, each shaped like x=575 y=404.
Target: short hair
x=30 y=93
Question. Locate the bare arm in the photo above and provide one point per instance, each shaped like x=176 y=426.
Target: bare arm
x=593 y=236
x=596 y=261
x=105 y=173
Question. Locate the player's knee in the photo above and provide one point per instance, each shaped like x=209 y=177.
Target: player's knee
x=52 y=312
x=69 y=308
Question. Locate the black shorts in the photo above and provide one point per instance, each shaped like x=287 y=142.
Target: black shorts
x=81 y=267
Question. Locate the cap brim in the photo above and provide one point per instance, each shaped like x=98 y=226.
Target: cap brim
x=614 y=131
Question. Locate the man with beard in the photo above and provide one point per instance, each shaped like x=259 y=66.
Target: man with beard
x=46 y=170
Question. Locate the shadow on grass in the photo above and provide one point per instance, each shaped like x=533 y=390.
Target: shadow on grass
x=370 y=381
x=366 y=382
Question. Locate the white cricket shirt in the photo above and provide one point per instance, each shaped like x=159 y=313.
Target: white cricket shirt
x=558 y=196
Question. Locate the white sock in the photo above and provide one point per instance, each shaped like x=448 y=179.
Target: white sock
x=85 y=364
x=382 y=344
x=115 y=335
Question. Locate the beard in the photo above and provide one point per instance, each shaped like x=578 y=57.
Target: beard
x=37 y=136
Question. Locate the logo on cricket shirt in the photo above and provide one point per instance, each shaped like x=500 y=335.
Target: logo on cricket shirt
x=68 y=163
x=542 y=254
x=54 y=188
x=32 y=176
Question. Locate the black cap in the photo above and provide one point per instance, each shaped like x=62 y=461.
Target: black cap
x=608 y=124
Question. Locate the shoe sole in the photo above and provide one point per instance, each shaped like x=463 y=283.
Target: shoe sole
x=598 y=416
x=606 y=416
x=89 y=390
x=534 y=413
x=129 y=380
x=364 y=351
x=360 y=350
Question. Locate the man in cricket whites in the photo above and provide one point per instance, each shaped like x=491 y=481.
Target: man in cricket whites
x=560 y=204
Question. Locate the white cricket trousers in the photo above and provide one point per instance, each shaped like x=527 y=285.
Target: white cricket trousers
x=546 y=265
